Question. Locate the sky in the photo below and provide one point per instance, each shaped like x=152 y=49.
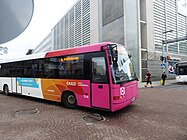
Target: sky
x=46 y=14
x=182 y=5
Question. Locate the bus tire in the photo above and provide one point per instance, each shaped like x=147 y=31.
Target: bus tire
x=6 y=90
x=69 y=100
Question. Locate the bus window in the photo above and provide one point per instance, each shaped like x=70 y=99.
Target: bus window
x=27 y=68
x=71 y=66
x=38 y=68
x=5 y=70
x=99 y=70
x=51 y=68
x=181 y=72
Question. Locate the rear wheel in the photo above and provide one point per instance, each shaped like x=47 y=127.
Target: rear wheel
x=6 y=90
x=69 y=100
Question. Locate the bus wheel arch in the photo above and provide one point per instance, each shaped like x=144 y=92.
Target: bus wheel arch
x=6 y=89
x=69 y=99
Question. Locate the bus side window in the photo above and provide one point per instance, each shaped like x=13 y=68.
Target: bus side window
x=5 y=70
x=99 y=70
x=181 y=71
x=71 y=67
x=51 y=68
x=27 y=68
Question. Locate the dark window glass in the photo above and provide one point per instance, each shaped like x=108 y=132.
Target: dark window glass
x=57 y=67
x=5 y=70
x=51 y=68
x=38 y=68
x=17 y=69
x=99 y=73
x=71 y=66
x=13 y=69
x=27 y=68
x=1 y=70
x=182 y=70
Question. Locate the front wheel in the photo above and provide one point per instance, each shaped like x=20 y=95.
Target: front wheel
x=69 y=100
x=6 y=90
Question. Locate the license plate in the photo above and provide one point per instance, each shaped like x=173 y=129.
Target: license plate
x=133 y=99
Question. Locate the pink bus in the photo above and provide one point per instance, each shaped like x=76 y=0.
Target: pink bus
x=99 y=76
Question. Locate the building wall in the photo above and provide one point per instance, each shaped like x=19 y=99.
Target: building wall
x=182 y=31
x=94 y=21
x=113 y=21
x=45 y=45
x=117 y=32
x=91 y=21
x=74 y=28
x=147 y=35
x=120 y=25
x=138 y=24
x=165 y=18
x=132 y=32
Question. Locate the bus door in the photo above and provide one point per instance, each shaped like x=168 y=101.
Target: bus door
x=17 y=86
x=99 y=84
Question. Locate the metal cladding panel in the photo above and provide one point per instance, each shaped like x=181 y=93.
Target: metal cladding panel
x=159 y=21
x=74 y=27
x=112 y=10
x=165 y=18
x=182 y=25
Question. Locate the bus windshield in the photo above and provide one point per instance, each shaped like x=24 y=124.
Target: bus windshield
x=122 y=68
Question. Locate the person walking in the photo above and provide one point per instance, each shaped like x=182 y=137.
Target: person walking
x=148 y=79
x=164 y=76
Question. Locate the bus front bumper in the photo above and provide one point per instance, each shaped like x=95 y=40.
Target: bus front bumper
x=118 y=106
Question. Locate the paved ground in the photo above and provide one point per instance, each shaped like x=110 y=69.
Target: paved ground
x=159 y=114
x=157 y=83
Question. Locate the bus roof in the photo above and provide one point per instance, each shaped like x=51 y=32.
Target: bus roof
x=78 y=49
x=67 y=51
x=26 y=57
x=182 y=63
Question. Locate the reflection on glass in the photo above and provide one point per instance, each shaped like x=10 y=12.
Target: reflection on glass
x=123 y=69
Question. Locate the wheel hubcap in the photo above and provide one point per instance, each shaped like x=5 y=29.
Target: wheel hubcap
x=71 y=99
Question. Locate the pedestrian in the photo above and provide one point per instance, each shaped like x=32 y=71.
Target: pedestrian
x=148 y=79
x=164 y=76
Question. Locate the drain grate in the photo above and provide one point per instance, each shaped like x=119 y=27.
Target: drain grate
x=93 y=118
x=26 y=112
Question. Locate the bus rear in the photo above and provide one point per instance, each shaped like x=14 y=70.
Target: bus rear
x=181 y=72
